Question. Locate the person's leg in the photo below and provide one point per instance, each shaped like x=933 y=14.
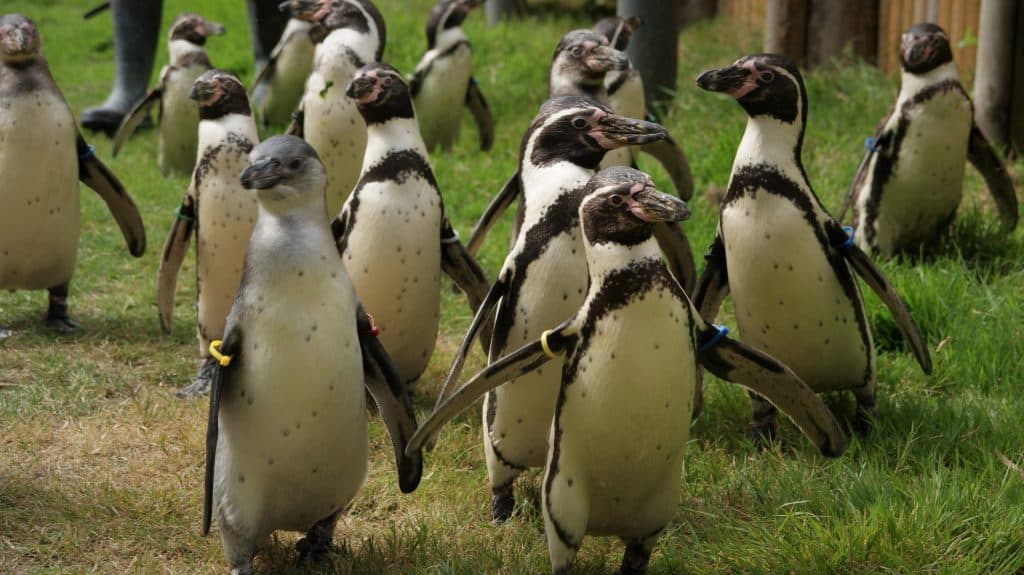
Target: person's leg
x=136 y=29
x=266 y=22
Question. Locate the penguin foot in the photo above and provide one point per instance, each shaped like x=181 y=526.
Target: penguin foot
x=61 y=325
x=503 y=502
x=763 y=435
x=312 y=550
x=634 y=560
x=863 y=423
x=201 y=384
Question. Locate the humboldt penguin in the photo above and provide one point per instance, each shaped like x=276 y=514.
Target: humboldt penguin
x=42 y=159
x=544 y=277
x=632 y=356
x=178 y=118
x=217 y=209
x=349 y=34
x=789 y=265
x=278 y=86
x=287 y=440
x=443 y=81
x=397 y=275
x=910 y=181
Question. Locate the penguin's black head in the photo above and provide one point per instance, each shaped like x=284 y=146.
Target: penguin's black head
x=923 y=48
x=764 y=84
x=448 y=14
x=218 y=94
x=380 y=93
x=194 y=28
x=19 y=39
x=581 y=61
x=618 y=30
x=621 y=205
x=329 y=15
x=286 y=172
x=579 y=130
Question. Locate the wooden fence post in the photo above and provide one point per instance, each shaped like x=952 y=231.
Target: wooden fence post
x=834 y=25
x=785 y=29
x=654 y=48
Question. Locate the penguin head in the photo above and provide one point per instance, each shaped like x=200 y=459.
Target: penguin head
x=582 y=59
x=381 y=93
x=329 y=15
x=19 y=39
x=286 y=173
x=924 y=47
x=218 y=94
x=618 y=30
x=766 y=85
x=194 y=28
x=579 y=130
x=621 y=205
x=447 y=14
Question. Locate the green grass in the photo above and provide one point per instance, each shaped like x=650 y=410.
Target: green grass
x=100 y=467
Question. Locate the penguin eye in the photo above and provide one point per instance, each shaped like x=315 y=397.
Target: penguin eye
x=579 y=123
x=576 y=51
x=386 y=81
x=615 y=200
x=294 y=164
x=767 y=76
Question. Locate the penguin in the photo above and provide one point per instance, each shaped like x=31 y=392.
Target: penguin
x=279 y=84
x=176 y=135
x=42 y=160
x=349 y=34
x=217 y=210
x=287 y=439
x=443 y=81
x=543 y=279
x=910 y=180
x=398 y=275
x=789 y=265
x=633 y=352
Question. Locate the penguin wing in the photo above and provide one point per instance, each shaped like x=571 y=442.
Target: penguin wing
x=415 y=81
x=93 y=173
x=984 y=157
x=498 y=205
x=341 y=225
x=876 y=280
x=516 y=364
x=221 y=379
x=298 y=117
x=175 y=248
x=481 y=114
x=392 y=398
x=737 y=362
x=713 y=285
x=466 y=272
x=882 y=137
x=676 y=247
x=671 y=157
x=134 y=118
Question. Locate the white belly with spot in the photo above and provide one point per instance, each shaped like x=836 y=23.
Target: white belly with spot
x=441 y=98
x=788 y=300
x=178 y=140
x=40 y=221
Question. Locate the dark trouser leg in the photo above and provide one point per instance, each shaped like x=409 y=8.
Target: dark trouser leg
x=763 y=427
x=136 y=29
x=318 y=539
x=266 y=23
x=57 y=314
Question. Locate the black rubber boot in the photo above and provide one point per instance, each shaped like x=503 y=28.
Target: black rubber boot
x=266 y=24
x=136 y=29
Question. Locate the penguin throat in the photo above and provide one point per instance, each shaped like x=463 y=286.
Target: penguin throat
x=178 y=49
x=770 y=141
x=913 y=84
x=606 y=257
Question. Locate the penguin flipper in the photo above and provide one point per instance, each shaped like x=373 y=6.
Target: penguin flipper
x=516 y=364
x=466 y=272
x=93 y=173
x=175 y=248
x=881 y=137
x=737 y=362
x=135 y=117
x=392 y=398
x=713 y=285
x=415 y=81
x=481 y=114
x=984 y=157
x=676 y=247
x=878 y=283
x=498 y=205
x=671 y=157
x=298 y=117
x=221 y=378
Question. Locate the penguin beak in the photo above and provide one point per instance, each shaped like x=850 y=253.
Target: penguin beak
x=360 y=87
x=202 y=91
x=261 y=174
x=653 y=206
x=733 y=80
x=616 y=131
x=604 y=59
x=213 y=28
x=917 y=50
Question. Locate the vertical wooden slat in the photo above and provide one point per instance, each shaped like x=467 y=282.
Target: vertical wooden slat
x=920 y=10
x=785 y=29
x=969 y=54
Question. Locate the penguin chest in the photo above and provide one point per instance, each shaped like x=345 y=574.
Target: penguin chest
x=40 y=221
x=293 y=442
x=439 y=102
x=397 y=274
x=518 y=414
x=334 y=127
x=926 y=183
x=792 y=298
x=624 y=418
x=227 y=213
x=177 y=140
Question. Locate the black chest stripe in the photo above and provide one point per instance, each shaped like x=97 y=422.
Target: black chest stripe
x=232 y=142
